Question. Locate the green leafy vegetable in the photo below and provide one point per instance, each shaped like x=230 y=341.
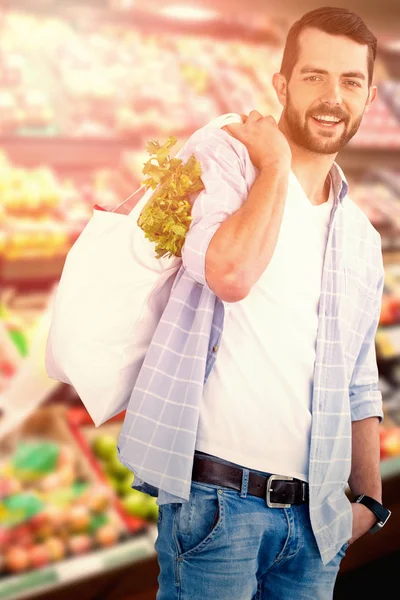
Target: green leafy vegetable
x=166 y=217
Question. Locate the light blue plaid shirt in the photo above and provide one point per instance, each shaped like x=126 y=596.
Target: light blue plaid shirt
x=158 y=436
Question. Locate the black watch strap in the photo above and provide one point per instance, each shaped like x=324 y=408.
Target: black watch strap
x=382 y=514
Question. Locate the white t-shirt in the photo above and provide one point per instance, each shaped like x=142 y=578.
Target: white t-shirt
x=256 y=408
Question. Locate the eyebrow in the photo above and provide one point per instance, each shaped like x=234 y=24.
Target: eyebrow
x=311 y=69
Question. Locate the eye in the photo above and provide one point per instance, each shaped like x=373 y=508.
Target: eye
x=313 y=78
x=352 y=83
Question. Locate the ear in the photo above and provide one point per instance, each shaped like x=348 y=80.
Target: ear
x=280 y=84
x=371 y=97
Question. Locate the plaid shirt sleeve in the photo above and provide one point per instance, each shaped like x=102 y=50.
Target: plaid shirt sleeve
x=365 y=396
x=225 y=190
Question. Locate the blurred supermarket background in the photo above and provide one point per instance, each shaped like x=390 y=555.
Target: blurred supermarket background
x=83 y=86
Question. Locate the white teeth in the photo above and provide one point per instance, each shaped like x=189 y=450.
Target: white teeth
x=328 y=118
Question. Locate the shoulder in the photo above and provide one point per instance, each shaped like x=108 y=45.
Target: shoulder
x=216 y=142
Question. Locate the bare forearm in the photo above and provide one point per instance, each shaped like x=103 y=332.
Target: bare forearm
x=365 y=477
x=244 y=244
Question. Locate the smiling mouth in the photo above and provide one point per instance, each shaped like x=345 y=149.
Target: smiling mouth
x=327 y=121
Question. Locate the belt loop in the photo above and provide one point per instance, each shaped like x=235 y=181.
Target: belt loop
x=245 y=483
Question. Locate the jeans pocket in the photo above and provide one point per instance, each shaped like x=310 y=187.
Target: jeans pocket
x=199 y=520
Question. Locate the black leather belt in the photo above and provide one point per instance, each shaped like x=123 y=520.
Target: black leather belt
x=278 y=491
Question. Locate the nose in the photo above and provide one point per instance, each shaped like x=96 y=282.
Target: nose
x=332 y=94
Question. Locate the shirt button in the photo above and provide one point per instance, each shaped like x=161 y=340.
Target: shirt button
x=215 y=348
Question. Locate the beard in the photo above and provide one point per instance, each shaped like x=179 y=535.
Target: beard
x=327 y=142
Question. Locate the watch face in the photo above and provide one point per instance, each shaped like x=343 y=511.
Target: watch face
x=382 y=522
x=382 y=514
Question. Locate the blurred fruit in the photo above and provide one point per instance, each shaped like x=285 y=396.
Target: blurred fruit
x=22 y=534
x=111 y=481
x=152 y=514
x=98 y=499
x=116 y=469
x=389 y=441
x=56 y=548
x=41 y=526
x=136 y=504
x=78 y=518
x=44 y=532
x=114 y=483
x=65 y=457
x=64 y=535
x=107 y=535
x=56 y=517
x=50 y=482
x=104 y=446
x=80 y=544
x=39 y=520
x=98 y=520
x=67 y=475
x=9 y=485
x=39 y=555
x=125 y=486
x=17 y=559
x=5 y=538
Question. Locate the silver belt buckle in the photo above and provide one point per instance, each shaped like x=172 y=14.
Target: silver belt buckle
x=270 y=489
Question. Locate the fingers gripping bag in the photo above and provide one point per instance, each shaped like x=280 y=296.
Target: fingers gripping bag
x=116 y=282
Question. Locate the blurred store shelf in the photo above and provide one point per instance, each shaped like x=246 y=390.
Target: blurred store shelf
x=78 y=568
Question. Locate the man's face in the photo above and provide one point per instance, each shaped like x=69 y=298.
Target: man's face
x=329 y=79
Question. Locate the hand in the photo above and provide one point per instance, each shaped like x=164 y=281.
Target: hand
x=363 y=520
x=266 y=144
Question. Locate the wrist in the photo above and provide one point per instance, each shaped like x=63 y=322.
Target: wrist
x=280 y=165
x=380 y=513
x=374 y=492
x=368 y=516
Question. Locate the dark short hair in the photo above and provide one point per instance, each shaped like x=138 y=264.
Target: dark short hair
x=335 y=21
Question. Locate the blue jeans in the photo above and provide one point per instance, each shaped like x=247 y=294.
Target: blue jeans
x=227 y=545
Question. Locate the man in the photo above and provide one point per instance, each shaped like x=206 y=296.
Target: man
x=283 y=277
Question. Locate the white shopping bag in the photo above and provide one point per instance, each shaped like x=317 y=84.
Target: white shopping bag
x=110 y=298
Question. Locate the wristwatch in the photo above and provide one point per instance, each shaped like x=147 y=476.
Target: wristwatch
x=382 y=514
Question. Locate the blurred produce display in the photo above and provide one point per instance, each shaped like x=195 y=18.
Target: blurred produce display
x=13 y=347
x=391 y=92
x=379 y=199
x=37 y=212
x=389 y=441
x=43 y=210
x=390 y=313
x=52 y=505
x=105 y=79
x=121 y=478
x=100 y=446
x=379 y=129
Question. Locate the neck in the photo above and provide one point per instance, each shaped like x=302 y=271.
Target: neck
x=311 y=170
